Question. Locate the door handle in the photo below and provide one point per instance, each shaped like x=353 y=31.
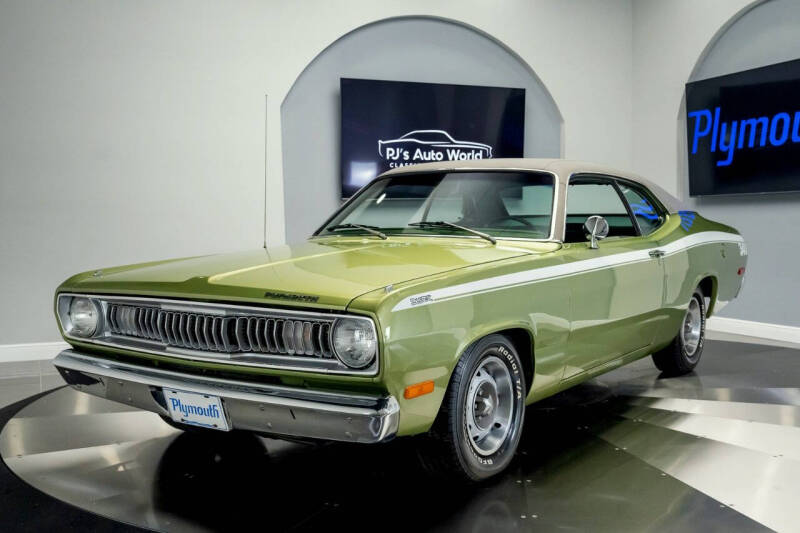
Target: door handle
x=656 y=253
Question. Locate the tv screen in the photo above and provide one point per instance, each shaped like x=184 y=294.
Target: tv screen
x=743 y=131
x=390 y=124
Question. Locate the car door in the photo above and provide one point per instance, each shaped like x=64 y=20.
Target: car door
x=650 y=215
x=616 y=289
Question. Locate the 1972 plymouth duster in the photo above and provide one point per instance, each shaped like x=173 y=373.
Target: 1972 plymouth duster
x=440 y=300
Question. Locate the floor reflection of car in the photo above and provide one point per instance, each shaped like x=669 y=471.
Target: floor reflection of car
x=432 y=138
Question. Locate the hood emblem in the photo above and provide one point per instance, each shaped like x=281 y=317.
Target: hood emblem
x=291 y=297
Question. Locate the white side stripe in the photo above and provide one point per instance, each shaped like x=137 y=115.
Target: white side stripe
x=557 y=271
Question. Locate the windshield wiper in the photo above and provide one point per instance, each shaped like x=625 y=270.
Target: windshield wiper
x=432 y=224
x=369 y=229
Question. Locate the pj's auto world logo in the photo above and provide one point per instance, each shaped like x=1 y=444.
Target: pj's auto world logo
x=421 y=146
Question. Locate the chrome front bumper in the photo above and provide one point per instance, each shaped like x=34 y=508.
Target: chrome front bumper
x=259 y=407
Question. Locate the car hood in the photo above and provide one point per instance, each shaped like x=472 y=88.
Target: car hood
x=323 y=272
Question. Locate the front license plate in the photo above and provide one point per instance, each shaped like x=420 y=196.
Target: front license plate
x=196 y=409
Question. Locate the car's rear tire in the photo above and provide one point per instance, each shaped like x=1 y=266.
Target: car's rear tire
x=477 y=430
x=683 y=353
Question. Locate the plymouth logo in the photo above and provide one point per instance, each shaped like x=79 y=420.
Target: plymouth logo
x=420 y=146
x=742 y=134
x=211 y=411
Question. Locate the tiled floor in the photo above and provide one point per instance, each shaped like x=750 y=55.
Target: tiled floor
x=21 y=379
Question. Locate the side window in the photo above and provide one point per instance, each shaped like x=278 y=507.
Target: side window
x=646 y=211
x=595 y=197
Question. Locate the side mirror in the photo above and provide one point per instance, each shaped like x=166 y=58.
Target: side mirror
x=596 y=229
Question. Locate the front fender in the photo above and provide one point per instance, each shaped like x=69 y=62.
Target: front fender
x=415 y=355
x=424 y=342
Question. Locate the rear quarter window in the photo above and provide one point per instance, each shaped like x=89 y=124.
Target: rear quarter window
x=645 y=209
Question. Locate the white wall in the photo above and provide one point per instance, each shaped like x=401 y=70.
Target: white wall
x=132 y=131
x=668 y=39
x=679 y=41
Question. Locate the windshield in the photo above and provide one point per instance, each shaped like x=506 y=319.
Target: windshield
x=500 y=204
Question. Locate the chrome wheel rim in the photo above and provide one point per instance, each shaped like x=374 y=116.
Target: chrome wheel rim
x=490 y=405
x=692 y=327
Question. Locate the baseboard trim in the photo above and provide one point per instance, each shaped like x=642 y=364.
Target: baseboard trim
x=747 y=330
x=33 y=351
x=754 y=331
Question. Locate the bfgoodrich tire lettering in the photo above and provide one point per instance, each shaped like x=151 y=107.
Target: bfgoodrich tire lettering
x=683 y=353
x=487 y=390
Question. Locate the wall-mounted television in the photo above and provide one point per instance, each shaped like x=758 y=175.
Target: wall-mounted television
x=390 y=124
x=743 y=131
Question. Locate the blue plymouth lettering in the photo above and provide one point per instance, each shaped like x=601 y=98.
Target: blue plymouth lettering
x=752 y=132
x=212 y=411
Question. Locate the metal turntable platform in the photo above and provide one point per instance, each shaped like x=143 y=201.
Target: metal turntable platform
x=718 y=450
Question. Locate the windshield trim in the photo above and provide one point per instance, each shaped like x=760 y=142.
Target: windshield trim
x=435 y=236
x=386 y=175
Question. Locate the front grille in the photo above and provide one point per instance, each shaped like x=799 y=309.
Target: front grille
x=226 y=334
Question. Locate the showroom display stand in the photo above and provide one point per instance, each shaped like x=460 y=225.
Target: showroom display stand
x=627 y=452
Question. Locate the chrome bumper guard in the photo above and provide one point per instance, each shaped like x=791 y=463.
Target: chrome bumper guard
x=270 y=409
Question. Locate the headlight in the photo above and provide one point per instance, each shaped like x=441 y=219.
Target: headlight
x=355 y=342
x=83 y=317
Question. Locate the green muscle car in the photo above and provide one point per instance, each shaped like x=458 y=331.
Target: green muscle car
x=438 y=301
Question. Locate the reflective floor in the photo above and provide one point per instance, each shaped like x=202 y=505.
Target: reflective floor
x=718 y=450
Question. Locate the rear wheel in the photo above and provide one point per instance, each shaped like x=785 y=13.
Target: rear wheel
x=478 y=427
x=683 y=353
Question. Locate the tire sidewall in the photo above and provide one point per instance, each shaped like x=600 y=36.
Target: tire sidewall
x=476 y=465
x=695 y=357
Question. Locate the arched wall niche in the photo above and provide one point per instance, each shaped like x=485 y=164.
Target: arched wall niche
x=422 y=49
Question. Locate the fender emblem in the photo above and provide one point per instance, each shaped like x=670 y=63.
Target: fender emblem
x=419 y=300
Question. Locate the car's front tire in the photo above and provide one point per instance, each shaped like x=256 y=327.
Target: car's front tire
x=683 y=353
x=477 y=430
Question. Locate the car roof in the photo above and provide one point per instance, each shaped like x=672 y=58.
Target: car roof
x=561 y=167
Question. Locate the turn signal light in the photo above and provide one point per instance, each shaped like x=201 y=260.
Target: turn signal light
x=741 y=271
x=418 y=389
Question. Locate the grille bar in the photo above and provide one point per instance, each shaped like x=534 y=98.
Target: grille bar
x=230 y=334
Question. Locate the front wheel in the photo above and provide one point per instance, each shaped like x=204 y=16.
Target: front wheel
x=478 y=427
x=683 y=353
